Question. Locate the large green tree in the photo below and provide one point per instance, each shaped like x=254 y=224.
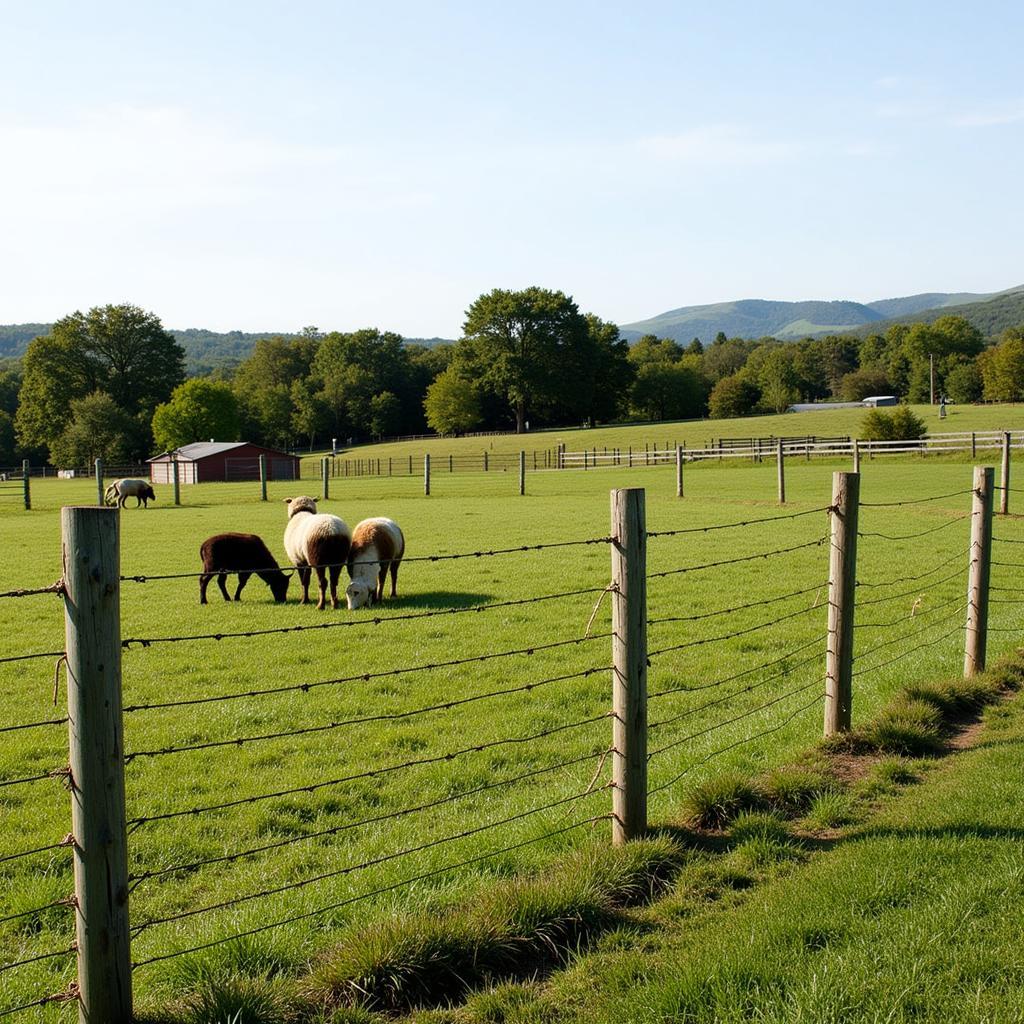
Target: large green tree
x=525 y=346
x=98 y=429
x=452 y=403
x=198 y=410
x=121 y=351
x=1002 y=368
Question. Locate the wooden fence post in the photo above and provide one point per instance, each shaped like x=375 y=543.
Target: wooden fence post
x=26 y=487
x=1004 y=477
x=263 y=478
x=679 y=471
x=629 y=664
x=522 y=471
x=176 y=480
x=92 y=623
x=978 y=570
x=842 y=583
x=426 y=474
x=410 y=465
x=325 y=479
x=451 y=464
x=780 y=457
x=856 y=455
x=974 y=445
x=99 y=482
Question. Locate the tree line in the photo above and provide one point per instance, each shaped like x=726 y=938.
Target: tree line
x=111 y=382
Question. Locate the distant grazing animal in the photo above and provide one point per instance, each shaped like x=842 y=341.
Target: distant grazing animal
x=119 y=490
x=244 y=553
x=316 y=540
x=377 y=546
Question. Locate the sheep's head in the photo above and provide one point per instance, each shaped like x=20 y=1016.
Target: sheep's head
x=301 y=504
x=279 y=586
x=359 y=593
x=149 y=493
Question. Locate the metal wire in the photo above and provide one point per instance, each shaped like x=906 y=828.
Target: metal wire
x=68 y=996
x=903 y=618
x=910 y=593
x=376 y=892
x=738 y=607
x=239 y=741
x=743 y=522
x=29 y=657
x=375 y=621
x=912 y=579
x=907 y=636
x=734 y=561
x=55 y=773
x=73 y=948
x=67 y=901
x=906 y=654
x=914 y=501
x=33 y=725
x=366 y=676
x=370 y=773
x=53 y=588
x=921 y=533
x=63 y=844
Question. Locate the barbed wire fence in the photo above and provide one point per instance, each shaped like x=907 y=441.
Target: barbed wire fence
x=700 y=715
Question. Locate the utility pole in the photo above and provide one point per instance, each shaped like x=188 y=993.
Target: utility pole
x=931 y=379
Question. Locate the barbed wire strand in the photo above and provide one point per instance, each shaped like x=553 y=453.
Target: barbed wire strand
x=912 y=616
x=372 y=862
x=1009 y=565
x=71 y=994
x=734 y=561
x=387 y=816
x=1008 y=540
x=905 y=654
x=33 y=725
x=369 y=773
x=67 y=901
x=305 y=915
x=738 y=743
x=291 y=569
x=739 y=675
x=66 y=842
x=915 y=501
x=737 y=608
x=911 y=593
x=921 y=533
x=907 y=636
x=375 y=621
x=703 y=641
x=54 y=773
x=29 y=657
x=73 y=948
x=240 y=741
x=729 y=696
x=366 y=676
x=912 y=579
x=53 y=588
x=732 y=721
x=742 y=522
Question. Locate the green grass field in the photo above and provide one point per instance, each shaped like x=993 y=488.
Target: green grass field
x=466 y=513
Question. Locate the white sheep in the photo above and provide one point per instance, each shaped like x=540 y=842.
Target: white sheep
x=316 y=540
x=377 y=546
x=119 y=490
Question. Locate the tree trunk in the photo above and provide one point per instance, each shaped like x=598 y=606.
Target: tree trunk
x=520 y=417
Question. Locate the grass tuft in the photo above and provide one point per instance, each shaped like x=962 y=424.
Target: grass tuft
x=908 y=726
x=831 y=809
x=792 y=789
x=716 y=802
x=235 y=999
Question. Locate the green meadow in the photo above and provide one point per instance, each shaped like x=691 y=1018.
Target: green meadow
x=454 y=821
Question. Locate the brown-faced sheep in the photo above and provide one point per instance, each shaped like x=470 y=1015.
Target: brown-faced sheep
x=244 y=553
x=377 y=546
x=316 y=540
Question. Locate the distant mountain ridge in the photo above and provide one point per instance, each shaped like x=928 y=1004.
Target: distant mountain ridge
x=790 y=321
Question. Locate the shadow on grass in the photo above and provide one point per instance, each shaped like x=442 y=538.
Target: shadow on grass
x=432 y=599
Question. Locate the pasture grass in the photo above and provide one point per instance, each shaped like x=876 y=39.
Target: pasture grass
x=466 y=513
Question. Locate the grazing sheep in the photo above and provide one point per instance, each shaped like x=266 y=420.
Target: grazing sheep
x=244 y=553
x=119 y=490
x=316 y=540
x=377 y=545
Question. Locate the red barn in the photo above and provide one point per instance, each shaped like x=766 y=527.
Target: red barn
x=206 y=461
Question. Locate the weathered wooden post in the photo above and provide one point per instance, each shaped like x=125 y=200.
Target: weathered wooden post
x=586 y=456
x=522 y=471
x=26 y=487
x=780 y=458
x=92 y=624
x=679 y=471
x=263 y=478
x=978 y=570
x=451 y=464
x=630 y=457
x=974 y=445
x=325 y=479
x=410 y=465
x=485 y=463
x=629 y=664
x=426 y=474
x=99 y=482
x=176 y=480
x=842 y=582
x=856 y=455
x=389 y=465
x=1004 y=477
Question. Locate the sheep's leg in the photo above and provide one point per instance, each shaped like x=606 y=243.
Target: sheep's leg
x=138 y=502
x=304 y=575
x=121 y=500
x=243 y=578
x=321 y=580
x=394 y=580
x=382 y=575
x=335 y=573
x=222 y=583
x=204 y=581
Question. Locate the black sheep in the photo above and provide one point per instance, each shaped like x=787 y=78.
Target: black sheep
x=244 y=553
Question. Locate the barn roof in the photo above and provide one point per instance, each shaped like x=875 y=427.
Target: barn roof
x=204 y=449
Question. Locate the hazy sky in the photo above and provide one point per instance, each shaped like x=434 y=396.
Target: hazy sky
x=264 y=166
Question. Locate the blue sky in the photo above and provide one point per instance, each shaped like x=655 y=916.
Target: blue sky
x=264 y=166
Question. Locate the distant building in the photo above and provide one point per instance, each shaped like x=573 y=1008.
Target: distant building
x=879 y=400
x=207 y=461
x=868 y=403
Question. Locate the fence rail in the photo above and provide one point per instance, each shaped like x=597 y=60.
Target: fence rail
x=593 y=759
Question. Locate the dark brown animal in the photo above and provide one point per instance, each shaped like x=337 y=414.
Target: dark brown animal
x=245 y=554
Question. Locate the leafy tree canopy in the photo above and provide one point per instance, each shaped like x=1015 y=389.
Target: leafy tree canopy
x=198 y=410
x=452 y=403
x=98 y=429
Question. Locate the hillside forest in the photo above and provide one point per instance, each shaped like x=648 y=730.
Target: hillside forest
x=112 y=383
